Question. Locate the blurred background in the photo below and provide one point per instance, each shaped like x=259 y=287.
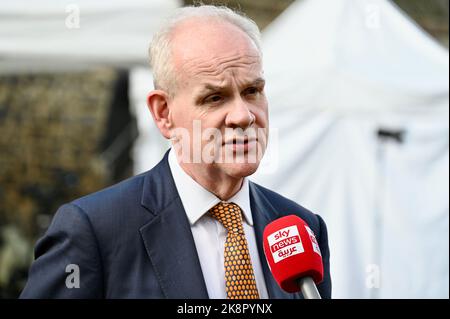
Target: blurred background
x=358 y=95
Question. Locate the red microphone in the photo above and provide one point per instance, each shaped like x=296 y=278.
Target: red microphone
x=293 y=255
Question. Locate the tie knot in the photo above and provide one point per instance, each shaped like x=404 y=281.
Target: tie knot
x=229 y=215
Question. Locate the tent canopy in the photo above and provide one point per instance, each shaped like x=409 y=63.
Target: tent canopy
x=367 y=50
x=52 y=35
x=358 y=97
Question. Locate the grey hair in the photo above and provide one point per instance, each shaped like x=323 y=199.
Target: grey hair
x=164 y=77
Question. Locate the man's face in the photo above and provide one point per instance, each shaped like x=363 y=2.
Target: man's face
x=220 y=87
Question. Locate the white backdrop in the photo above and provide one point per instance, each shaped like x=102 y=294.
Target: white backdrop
x=338 y=71
x=150 y=145
x=54 y=35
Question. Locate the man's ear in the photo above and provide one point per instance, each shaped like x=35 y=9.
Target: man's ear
x=157 y=102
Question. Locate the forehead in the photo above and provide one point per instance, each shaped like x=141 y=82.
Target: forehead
x=209 y=47
x=219 y=68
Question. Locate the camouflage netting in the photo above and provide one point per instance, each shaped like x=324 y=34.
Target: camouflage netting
x=51 y=130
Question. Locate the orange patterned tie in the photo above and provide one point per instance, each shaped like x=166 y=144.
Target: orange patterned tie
x=239 y=276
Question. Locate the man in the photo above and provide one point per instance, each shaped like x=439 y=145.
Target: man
x=192 y=226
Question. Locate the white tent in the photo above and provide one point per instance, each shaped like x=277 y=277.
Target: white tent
x=337 y=73
x=150 y=145
x=53 y=35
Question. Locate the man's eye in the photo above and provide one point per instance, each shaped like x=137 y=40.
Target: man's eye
x=213 y=98
x=251 y=91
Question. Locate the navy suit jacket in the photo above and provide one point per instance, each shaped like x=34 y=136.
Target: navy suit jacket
x=133 y=240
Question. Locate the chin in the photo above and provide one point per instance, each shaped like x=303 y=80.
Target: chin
x=240 y=170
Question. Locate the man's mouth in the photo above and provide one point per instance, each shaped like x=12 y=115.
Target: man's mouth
x=241 y=143
x=240 y=140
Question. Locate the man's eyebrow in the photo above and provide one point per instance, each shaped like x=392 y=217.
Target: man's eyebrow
x=258 y=82
x=208 y=87
x=211 y=88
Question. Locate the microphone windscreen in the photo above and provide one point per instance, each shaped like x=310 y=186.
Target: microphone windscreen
x=292 y=252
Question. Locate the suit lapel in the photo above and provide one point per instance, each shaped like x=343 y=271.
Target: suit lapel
x=168 y=238
x=169 y=243
x=263 y=213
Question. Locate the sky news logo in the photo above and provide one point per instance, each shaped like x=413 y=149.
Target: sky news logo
x=285 y=243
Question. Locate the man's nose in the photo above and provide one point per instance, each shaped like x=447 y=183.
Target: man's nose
x=239 y=115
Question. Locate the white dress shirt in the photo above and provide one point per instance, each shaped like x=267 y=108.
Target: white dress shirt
x=210 y=235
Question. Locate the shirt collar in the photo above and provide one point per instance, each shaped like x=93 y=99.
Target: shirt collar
x=198 y=200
